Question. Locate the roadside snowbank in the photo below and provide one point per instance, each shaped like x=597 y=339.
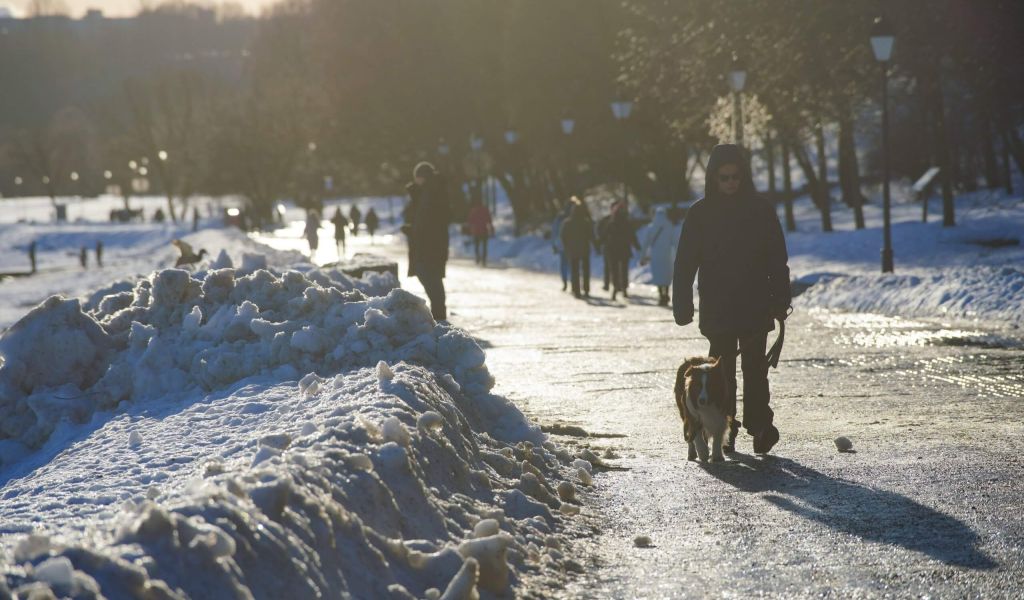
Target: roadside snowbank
x=390 y=486
x=174 y=331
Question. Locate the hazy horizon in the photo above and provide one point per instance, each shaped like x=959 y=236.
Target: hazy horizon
x=122 y=8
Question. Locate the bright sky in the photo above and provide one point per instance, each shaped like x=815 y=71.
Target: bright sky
x=120 y=8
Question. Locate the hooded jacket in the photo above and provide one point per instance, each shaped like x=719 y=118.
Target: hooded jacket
x=427 y=218
x=735 y=247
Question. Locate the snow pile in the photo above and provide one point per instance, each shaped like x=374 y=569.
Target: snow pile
x=402 y=488
x=175 y=331
x=989 y=293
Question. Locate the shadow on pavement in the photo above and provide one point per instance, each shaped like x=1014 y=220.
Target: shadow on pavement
x=868 y=513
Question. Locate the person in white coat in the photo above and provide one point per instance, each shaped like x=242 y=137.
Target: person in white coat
x=659 y=248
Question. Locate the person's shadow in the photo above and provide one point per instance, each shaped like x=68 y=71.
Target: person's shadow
x=868 y=513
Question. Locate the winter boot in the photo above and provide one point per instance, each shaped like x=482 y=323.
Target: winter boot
x=764 y=441
x=730 y=442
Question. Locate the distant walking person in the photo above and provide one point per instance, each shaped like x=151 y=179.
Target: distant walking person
x=372 y=222
x=577 y=237
x=481 y=228
x=312 y=232
x=659 y=248
x=83 y=257
x=600 y=233
x=619 y=242
x=732 y=242
x=195 y=218
x=556 y=243
x=427 y=218
x=340 y=224
x=99 y=253
x=355 y=215
x=32 y=255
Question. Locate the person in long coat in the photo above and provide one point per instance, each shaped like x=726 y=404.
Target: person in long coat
x=619 y=242
x=659 y=248
x=355 y=216
x=733 y=243
x=427 y=218
x=340 y=224
x=577 y=236
x=481 y=228
x=556 y=243
x=312 y=232
x=372 y=222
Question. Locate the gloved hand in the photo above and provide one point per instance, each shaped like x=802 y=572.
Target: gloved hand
x=683 y=313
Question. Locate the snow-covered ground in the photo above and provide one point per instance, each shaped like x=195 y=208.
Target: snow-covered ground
x=267 y=430
x=970 y=272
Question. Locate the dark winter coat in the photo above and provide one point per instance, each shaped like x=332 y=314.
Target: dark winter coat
x=340 y=223
x=619 y=236
x=427 y=218
x=372 y=221
x=734 y=244
x=577 y=235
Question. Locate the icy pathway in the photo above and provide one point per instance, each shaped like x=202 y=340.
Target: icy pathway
x=927 y=505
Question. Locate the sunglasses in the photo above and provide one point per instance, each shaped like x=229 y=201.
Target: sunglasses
x=728 y=178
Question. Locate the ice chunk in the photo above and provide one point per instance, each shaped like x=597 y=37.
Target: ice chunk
x=569 y=509
x=843 y=444
x=394 y=431
x=384 y=372
x=134 y=439
x=280 y=441
x=192 y=320
x=579 y=463
x=310 y=384
x=486 y=528
x=463 y=585
x=429 y=420
x=56 y=571
x=491 y=553
x=31 y=547
x=223 y=261
x=566 y=492
x=264 y=453
x=252 y=263
x=585 y=477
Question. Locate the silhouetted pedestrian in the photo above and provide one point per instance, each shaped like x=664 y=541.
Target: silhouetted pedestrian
x=195 y=218
x=733 y=243
x=577 y=236
x=355 y=215
x=83 y=257
x=99 y=253
x=556 y=243
x=32 y=255
x=481 y=228
x=619 y=242
x=372 y=222
x=340 y=224
x=312 y=232
x=159 y=216
x=426 y=223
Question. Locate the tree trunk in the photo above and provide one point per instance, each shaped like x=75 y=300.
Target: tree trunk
x=942 y=148
x=988 y=152
x=849 y=170
x=819 y=137
x=1007 y=167
x=819 y=194
x=769 y=145
x=787 y=188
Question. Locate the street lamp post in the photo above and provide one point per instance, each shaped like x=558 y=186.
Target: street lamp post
x=882 y=41
x=568 y=126
x=737 y=81
x=621 y=109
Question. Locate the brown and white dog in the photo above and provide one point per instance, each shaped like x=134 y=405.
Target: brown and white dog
x=702 y=398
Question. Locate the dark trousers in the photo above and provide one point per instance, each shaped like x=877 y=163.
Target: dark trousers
x=579 y=268
x=607 y=270
x=756 y=413
x=618 y=267
x=480 y=249
x=433 y=285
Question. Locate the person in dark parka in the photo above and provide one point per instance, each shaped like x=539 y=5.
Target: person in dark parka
x=619 y=242
x=733 y=243
x=427 y=218
x=577 y=236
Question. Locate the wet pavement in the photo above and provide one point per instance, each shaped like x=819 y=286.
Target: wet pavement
x=929 y=503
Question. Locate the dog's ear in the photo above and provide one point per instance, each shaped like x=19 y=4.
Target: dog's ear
x=687 y=371
x=714 y=361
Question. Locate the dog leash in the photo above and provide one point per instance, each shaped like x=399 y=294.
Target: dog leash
x=776 y=350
